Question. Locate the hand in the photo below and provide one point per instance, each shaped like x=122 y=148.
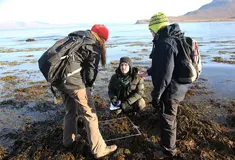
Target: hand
x=143 y=74
x=126 y=107
x=90 y=84
x=114 y=102
x=90 y=89
x=156 y=103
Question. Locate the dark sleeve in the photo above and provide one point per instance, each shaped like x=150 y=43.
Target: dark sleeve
x=137 y=93
x=111 y=88
x=162 y=68
x=149 y=71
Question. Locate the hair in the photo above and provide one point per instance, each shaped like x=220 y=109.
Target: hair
x=102 y=46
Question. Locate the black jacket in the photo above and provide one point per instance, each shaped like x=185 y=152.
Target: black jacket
x=87 y=57
x=164 y=54
x=126 y=88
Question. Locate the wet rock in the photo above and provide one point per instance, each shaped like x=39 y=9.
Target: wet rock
x=30 y=40
x=8 y=78
x=136 y=58
x=222 y=60
x=6 y=63
x=144 y=50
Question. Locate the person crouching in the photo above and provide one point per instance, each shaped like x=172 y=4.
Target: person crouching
x=127 y=87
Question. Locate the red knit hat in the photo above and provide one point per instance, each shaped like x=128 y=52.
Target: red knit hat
x=101 y=30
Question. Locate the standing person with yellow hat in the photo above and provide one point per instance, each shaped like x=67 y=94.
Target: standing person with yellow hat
x=76 y=94
x=167 y=92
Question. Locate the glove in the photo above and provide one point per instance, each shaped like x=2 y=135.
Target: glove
x=90 y=89
x=89 y=84
x=126 y=107
x=114 y=102
x=156 y=103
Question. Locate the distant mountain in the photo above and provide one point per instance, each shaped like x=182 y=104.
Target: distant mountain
x=217 y=10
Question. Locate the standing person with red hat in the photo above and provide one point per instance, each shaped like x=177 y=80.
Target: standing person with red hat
x=77 y=97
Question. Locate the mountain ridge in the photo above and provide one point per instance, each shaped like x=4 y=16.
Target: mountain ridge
x=217 y=10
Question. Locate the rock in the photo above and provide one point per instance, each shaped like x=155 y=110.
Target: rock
x=30 y=40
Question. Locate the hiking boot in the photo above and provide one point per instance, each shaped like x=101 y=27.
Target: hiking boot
x=108 y=150
x=160 y=155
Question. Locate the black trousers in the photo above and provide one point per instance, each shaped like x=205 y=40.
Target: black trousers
x=168 y=125
x=170 y=100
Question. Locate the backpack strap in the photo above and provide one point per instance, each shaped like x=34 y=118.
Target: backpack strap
x=182 y=42
x=54 y=95
x=73 y=47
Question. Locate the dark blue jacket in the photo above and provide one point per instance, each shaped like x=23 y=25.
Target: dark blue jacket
x=163 y=57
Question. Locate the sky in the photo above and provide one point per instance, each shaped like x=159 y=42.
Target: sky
x=92 y=11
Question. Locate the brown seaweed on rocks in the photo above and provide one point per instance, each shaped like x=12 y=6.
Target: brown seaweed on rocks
x=199 y=135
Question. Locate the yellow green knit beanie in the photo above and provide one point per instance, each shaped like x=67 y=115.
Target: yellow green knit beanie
x=158 y=21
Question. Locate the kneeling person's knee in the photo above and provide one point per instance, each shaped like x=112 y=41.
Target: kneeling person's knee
x=141 y=104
